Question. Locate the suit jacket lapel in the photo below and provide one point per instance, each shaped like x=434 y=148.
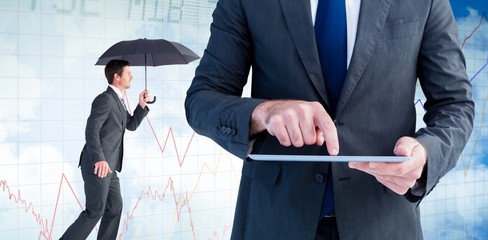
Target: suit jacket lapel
x=298 y=18
x=119 y=104
x=372 y=18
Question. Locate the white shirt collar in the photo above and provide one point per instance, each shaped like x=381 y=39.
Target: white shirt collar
x=119 y=93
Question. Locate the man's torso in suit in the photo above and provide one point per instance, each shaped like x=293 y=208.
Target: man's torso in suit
x=105 y=130
x=397 y=41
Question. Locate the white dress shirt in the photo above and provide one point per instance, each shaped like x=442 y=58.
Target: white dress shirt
x=119 y=93
x=352 y=15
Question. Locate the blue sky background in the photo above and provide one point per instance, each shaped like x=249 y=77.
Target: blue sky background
x=460 y=7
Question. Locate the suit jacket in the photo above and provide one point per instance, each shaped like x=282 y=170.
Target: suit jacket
x=105 y=130
x=397 y=42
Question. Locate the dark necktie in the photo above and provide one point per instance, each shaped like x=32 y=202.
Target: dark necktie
x=123 y=103
x=331 y=37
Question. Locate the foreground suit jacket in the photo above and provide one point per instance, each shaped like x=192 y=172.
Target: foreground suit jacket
x=397 y=42
x=105 y=130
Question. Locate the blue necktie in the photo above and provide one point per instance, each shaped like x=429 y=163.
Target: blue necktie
x=331 y=37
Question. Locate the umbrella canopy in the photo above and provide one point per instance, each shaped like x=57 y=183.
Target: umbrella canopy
x=148 y=52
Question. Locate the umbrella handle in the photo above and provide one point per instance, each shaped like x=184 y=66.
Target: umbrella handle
x=153 y=101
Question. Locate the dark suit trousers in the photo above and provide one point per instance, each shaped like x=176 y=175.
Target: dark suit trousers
x=103 y=200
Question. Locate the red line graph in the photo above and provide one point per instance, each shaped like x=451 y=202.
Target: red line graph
x=224 y=232
x=46 y=231
x=160 y=197
x=170 y=185
x=168 y=135
x=483 y=17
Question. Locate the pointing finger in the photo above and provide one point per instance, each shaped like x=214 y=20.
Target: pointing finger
x=329 y=131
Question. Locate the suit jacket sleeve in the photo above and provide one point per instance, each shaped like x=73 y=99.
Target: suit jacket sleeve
x=135 y=120
x=449 y=106
x=99 y=113
x=214 y=107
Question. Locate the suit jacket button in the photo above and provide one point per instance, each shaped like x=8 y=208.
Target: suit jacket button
x=227 y=130
x=319 y=178
x=219 y=129
x=233 y=132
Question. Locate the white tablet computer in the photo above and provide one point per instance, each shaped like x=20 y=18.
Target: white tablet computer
x=322 y=158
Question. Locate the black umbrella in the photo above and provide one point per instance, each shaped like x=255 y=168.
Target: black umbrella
x=148 y=52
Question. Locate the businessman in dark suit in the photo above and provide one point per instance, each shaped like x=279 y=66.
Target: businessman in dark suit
x=103 y=153
x=296 y=109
